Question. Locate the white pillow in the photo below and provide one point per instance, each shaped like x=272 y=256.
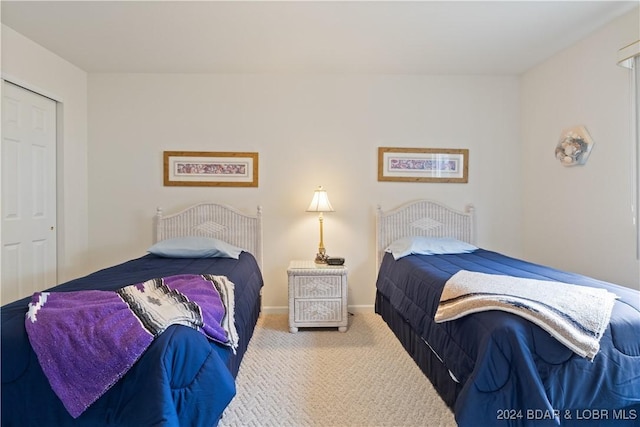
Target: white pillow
x=428 y=246
x=194 y=247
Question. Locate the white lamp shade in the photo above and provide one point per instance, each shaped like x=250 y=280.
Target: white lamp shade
x=320 y=202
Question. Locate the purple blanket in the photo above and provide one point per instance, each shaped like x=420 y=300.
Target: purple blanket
x=87 y=340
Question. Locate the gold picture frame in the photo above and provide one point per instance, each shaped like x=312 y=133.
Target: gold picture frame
x=210 y=169
x=445 y=165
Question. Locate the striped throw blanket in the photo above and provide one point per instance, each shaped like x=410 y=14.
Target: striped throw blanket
x=86 y=341
x=575 y=315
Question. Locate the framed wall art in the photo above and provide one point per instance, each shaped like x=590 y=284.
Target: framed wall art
x=214 y=169
x=423 y=164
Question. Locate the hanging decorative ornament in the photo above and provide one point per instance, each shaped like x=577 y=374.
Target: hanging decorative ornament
x=574 y=146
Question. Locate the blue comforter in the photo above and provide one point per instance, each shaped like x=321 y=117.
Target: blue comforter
x=510 y=371
x=181 y=379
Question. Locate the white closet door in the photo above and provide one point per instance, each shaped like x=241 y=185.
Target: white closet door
x=28 y=228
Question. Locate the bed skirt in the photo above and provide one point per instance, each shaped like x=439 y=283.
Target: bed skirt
x=245 y=337
x=425 y=358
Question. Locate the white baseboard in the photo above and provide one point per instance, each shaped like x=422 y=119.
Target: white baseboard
x=360 y=309
x=275 y=310
x=285 y=309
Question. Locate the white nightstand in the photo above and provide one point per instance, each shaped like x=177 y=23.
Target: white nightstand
x=317 y=296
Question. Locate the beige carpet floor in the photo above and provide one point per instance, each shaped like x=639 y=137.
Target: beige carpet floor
x=321 y=377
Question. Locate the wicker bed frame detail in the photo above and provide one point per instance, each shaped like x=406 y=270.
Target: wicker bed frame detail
x=422 y=218
x=214 y=220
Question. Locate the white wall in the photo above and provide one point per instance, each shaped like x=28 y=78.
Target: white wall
x=28 y=64
x=579 y=218
x=325 y=129
x=309 y=130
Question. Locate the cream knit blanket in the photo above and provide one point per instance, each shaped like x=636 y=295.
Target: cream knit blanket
x=576 y=315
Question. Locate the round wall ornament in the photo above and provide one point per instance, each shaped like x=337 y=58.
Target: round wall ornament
x=574 y=146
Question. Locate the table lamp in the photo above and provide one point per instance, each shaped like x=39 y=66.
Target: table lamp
x=320 y=203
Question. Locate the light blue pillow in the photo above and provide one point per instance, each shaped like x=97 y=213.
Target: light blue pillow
x=194 y=247
x=419 y=245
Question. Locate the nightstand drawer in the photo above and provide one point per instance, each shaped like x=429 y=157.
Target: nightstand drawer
x=318 y=286
x=318 y=310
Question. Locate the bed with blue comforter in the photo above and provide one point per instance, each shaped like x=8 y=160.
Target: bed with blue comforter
x=495 y=366
x=181 y=375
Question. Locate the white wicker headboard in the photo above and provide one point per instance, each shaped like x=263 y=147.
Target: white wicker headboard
x=422 y=218
x=214 y=220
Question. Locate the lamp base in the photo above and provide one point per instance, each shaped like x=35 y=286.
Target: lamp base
x=321 y=258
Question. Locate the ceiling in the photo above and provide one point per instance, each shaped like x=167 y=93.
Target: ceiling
x=406 y=37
